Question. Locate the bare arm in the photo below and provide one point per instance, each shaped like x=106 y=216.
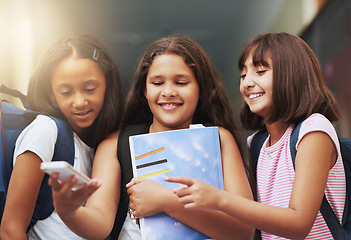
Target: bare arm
x=96 y=219
x=215 y=224
x=316 y=155
x=24 y=184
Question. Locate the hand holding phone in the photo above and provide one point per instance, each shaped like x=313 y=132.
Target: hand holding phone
x=65 y=171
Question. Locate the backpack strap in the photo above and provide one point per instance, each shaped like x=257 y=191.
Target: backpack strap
x=255 y=148
x=325 y=209
x=124 y=158
x=345 y=146
x=63 y=151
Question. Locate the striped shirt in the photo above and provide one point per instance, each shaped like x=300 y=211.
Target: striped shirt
x=275 y=175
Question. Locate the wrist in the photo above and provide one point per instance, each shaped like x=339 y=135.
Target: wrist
x=170 y=202
x=223 y=201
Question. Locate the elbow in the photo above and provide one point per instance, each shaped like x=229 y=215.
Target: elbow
x=10 y=233
x=302 y=234
x=250 y=233
x=3 y=233
x=298 y=236
x=299 y=232
x=245 y=233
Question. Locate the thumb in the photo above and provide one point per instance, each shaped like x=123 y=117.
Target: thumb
x=54 y=182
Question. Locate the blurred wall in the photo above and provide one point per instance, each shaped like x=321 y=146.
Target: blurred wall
x=329 y=35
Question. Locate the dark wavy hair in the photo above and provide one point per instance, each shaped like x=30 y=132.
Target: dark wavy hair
x=214 y=106
x=82 y=46
x=299 y=89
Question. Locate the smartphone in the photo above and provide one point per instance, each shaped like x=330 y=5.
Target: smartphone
x=65 y=171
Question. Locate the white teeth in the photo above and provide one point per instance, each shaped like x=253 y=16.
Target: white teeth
x=169 y=104
x=80 y=114
x=252 y=96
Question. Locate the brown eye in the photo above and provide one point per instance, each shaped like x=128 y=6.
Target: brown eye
x=65 y=93
x=90 y=89
x=157 y=83
x=261 y=72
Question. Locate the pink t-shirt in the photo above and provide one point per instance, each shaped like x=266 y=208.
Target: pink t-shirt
x=275 y=175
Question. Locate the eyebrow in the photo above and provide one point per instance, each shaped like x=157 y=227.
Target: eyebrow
x=90 y=81
x=177 y=75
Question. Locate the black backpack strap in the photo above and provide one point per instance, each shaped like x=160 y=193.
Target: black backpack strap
x=345 y=146
x=255 y=148
x=325 y=209
x=64 y=151
x=337 y=230
x=124 y=158
x=293 y=140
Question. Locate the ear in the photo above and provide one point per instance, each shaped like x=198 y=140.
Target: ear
x=145 y=93
x=53 y=100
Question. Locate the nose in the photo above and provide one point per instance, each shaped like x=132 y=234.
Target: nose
x=168 y=90
x=248 y=81
x=79 y=100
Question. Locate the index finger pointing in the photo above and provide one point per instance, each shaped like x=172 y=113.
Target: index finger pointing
x=183 y=180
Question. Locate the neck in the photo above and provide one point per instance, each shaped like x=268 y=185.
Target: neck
x=156 y=127
x=276 y=130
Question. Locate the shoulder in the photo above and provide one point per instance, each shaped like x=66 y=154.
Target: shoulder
x=110 y=141
x=317 y=118
x=107 y=149
x=41 y=125
x=223 y=132
x=317 y=122
x=226 y=136
x=38 y=137
x=44 y=122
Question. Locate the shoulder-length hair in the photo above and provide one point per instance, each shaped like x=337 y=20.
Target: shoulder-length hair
x=213 y=107
x=299 y=89
x=84 y=47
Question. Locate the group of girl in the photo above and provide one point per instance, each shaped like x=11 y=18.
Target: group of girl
x=176 y=85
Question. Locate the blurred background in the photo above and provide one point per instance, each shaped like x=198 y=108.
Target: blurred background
x=127 y=27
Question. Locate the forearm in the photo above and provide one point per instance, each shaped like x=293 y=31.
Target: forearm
x=25 y=183
x=214 y=224
x=88 y=223
x=286 y=222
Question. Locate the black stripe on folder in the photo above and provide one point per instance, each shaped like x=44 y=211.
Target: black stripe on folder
x=151 y=164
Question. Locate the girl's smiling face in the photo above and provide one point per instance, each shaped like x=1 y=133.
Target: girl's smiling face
x=172 y=92
x=78 y=86
x=256 y=86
